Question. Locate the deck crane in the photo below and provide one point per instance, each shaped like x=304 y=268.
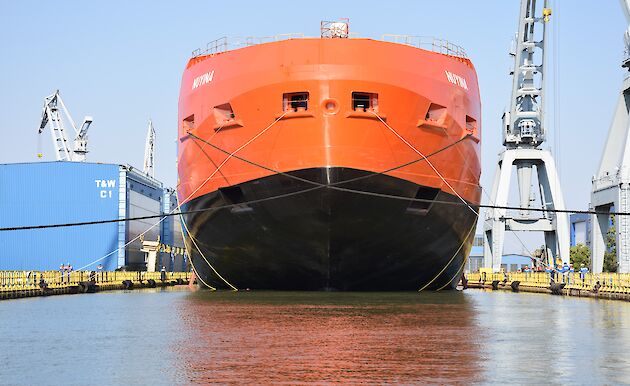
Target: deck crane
x=611 y=185
x=51 y=113
x=524 y=132
x=149 y=150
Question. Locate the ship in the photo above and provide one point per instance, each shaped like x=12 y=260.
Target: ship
x=329 y=163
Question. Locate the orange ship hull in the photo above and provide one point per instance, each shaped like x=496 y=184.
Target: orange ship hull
x=328 y=137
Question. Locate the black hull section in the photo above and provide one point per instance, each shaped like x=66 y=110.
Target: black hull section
x=327 y=239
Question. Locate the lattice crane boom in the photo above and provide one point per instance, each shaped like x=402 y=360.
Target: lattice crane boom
x=51 y=115
x=149 y=150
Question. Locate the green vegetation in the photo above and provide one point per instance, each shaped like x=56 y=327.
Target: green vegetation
x=610 y=256
x=580 y=254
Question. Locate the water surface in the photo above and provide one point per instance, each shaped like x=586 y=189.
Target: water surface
x=176 y=336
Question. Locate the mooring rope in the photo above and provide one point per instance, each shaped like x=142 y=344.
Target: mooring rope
x=332 y=186
x=192 y=264
x=192 y=238
x=232 y=154
x=457 y=273
x=424 y=157
x=450 y=261
x=179 y=202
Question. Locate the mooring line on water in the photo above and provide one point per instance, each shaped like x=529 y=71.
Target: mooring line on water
x=192 y=238
x=188 y=249
x=197 y=275
x=451 y=260
x=456 y=274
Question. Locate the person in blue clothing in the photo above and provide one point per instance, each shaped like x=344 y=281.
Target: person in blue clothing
x=583 y=272
x=565 y=272
x=551 y=271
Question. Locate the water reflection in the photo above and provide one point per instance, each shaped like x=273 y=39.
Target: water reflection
x=542 y=339
x=174 y=336
x=272 y=337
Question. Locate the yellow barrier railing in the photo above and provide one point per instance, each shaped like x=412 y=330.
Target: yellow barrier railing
x=602 y=282
x=29 y=280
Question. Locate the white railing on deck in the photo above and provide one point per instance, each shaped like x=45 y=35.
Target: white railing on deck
x=425 y=42
x=226 y=44
x=428 y=43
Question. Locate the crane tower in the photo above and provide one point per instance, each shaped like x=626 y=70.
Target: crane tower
x=523 y=133
x=611 y=185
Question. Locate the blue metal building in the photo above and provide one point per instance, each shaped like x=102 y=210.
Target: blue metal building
x=475 y=258
x=580 y=226
x=172 y=235
x=509 y=262
x=68 y=192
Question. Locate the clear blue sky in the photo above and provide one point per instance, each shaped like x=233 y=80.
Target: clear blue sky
x=121 y=62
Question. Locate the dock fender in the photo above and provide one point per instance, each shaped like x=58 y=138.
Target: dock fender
x=515 y=285
x=86 y=287
x=127 y=284
x=151 y=283
x=556 y=288
x=464 y=281
x=495 y=284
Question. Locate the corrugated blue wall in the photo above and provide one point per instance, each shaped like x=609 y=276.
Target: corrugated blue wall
x=57 y=192
x=171 y=234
